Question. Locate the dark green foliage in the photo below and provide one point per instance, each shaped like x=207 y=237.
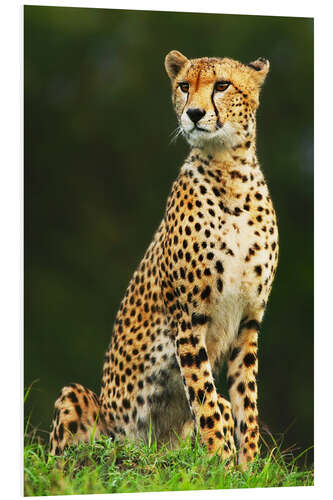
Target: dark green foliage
x=98 y=169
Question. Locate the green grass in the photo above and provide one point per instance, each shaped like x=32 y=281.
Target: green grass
x=112 y=467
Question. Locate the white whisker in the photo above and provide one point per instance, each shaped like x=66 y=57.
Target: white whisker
x=175 y=134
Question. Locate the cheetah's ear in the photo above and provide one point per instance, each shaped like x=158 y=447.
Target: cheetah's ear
x=174 y=62
x=260 y=69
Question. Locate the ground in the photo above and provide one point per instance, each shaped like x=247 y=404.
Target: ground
x=106 y=466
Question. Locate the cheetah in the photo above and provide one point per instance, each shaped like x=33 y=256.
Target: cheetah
x=199 y=294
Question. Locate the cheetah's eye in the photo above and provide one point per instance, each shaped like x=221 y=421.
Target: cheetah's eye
x=221 y=86
x=184 y=87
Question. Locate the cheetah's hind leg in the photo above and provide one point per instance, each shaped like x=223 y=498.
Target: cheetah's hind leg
x=76 y=418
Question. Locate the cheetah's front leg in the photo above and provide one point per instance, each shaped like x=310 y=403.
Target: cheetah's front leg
x=200 y=388
x=242 y=373
x=228 y=424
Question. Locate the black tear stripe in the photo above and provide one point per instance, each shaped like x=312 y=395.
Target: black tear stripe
x=218 y=123
x=188 y=93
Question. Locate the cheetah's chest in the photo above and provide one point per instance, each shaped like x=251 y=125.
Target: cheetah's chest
x=240 y=283
x=229 y=238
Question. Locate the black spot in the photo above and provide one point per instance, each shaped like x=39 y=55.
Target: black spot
x=241 y=388
x=191 y=393
x=126 y=403
x=202 y=422
x=210 y=422
x=219 y=285
x=201 y=396
x=72 y=426
x=249 y=359
x=258 y=270
x=72 y=397
x=234 y=353
x=253 y=324
x=219 y=266
x=140 y=400
x=251 y=386
x=218 y=435
x=247 y=402
x=186 y=359
x=199 y=319
x=201 y=357
x=243 y=427
x=78 y=410
x=209 y=386
x=206 y=292
x=61 y=431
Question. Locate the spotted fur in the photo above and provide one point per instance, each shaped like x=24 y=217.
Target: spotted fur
x=199 y=294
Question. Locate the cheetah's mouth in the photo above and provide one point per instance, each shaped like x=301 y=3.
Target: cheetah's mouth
x=200 y=129
x=223 y=137
x=197 y=128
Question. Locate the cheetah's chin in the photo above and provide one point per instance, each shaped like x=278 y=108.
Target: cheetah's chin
x=223 y=138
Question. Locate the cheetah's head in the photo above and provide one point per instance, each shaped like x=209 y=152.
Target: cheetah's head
x=215 y=99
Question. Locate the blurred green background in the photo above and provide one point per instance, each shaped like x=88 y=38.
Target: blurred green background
x=98 y=169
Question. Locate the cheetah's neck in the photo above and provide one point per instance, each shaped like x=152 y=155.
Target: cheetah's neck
x=236 y=170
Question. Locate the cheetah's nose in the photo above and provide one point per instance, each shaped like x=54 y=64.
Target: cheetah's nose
x=195 y=114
